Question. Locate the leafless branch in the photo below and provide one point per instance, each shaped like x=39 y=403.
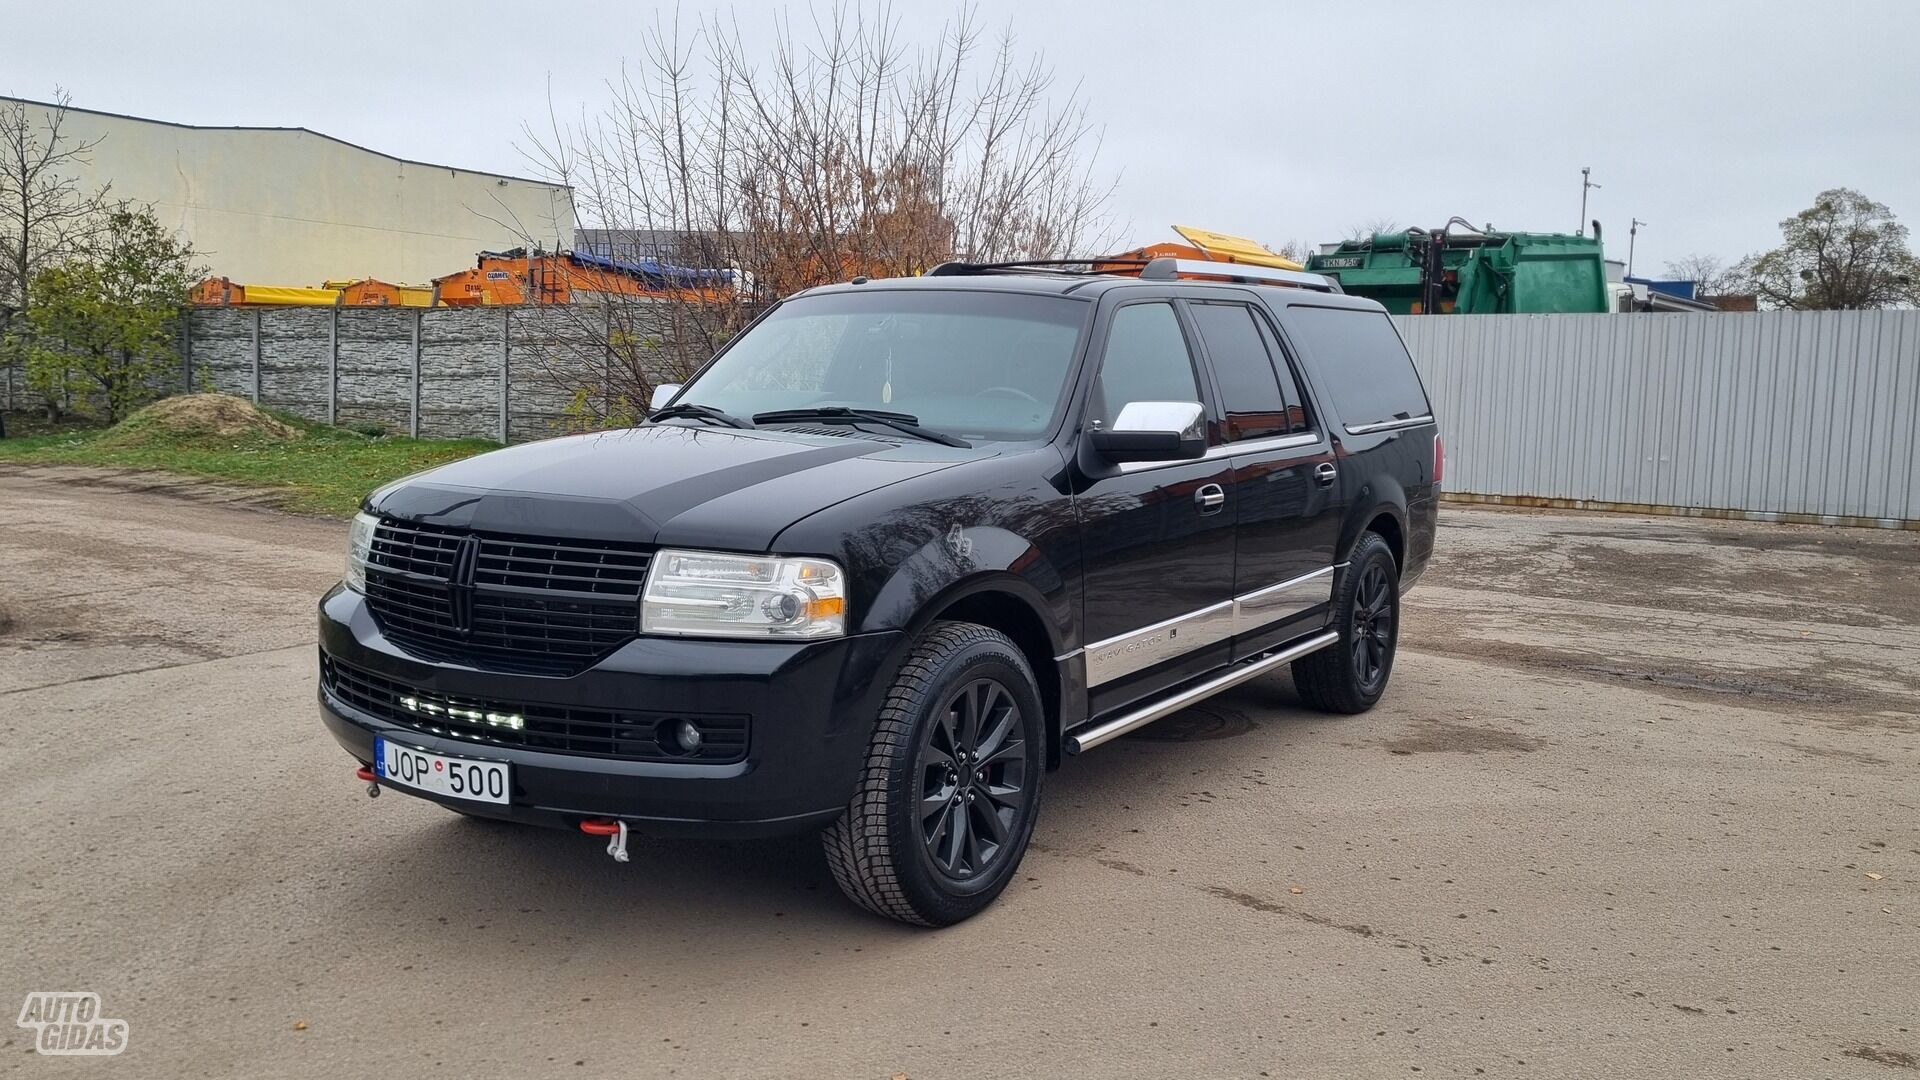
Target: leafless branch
x=843 y=149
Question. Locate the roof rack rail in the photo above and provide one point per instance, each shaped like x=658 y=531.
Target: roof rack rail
x=1055 y=266
x=1161 y=269
x=1169 y=269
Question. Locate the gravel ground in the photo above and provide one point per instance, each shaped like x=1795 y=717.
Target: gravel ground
x=1641 y=802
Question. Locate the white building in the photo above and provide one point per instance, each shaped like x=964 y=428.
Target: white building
x=288 y=206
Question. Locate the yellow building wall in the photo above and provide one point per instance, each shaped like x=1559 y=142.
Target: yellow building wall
x=286 y=206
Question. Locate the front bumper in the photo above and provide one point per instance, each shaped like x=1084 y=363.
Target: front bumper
x=812 y=707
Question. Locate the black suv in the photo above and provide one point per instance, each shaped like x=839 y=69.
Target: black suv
x=888 y=557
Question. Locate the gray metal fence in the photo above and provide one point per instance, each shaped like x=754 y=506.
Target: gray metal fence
x=1790 y=415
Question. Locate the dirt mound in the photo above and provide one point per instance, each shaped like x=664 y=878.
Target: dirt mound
x=219 y=416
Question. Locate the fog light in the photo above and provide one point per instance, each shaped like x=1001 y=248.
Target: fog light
x=686 y=736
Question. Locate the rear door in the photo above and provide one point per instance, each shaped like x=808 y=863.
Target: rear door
x=1284 y=477
x=1157 y=537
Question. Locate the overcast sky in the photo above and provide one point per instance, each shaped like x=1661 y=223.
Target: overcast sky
x=1711 y=121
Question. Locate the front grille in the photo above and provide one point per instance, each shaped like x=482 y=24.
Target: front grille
x=532 y=604
x=631 y=735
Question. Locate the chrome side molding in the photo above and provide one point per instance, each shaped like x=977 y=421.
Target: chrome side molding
x=1137 y=650
x=1080 y=741
x=1256 y=609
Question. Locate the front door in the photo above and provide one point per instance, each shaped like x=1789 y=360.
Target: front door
x=1157 y=537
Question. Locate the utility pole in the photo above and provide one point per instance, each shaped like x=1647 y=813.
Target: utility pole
x=1632 y=232
x=1586 y=181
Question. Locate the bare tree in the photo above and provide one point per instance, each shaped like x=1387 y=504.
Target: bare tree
x=1711 y=276
x=845 y=151
x=45 y=216
x=1373 y=226
x=1297 y=250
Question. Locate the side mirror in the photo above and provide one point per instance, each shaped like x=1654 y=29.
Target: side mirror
x=1154 y=431
x=661 y=395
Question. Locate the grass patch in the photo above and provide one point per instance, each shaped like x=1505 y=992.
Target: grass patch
x=315 y=469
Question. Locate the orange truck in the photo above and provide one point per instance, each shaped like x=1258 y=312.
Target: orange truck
x=220 y=292
x=365 y=292
x=515 y=277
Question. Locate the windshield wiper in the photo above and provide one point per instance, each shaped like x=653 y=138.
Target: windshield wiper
x=699 y=412
x=898 y=421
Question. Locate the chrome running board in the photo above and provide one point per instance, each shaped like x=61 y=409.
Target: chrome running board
x=1077 y=742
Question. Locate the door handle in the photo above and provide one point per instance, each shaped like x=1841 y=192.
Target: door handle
x=1325 y=473
x=1210 y=497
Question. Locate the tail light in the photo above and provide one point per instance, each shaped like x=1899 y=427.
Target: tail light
x=1439 y=458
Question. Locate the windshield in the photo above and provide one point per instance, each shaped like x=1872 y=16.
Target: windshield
x=982 y=366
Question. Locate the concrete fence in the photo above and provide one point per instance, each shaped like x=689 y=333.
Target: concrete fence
x=1803 y=416
x=506 y=374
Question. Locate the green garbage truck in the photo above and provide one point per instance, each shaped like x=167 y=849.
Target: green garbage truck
x=1462 y=270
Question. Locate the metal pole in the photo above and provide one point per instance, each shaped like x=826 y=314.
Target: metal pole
x=413 y=414
x=333 y=366
x=1586 y=181
x=256 y=356
x=1633 y=234
x=506 y=334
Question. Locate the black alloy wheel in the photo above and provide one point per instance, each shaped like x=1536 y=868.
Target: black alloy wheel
x=1371 y=638
x=1350 y=675
x=973 y=779
x=949 y=792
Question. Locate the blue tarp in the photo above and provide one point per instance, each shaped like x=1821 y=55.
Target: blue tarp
x=657 y=273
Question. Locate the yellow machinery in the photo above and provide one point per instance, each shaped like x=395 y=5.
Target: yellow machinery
x=1206 y=246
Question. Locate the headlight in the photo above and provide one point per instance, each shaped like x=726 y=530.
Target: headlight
x=359 y=546
x=707 y=594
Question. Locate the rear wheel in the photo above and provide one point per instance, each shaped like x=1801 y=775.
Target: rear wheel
x=1350 y=675
x=951 y=786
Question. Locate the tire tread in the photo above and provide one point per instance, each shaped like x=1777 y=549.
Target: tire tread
x=857 y=844
x=1324 y=679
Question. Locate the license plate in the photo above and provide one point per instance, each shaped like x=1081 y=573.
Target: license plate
x=459 y=778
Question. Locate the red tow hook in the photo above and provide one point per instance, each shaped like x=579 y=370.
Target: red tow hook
x=615 y=828
x=373 y=782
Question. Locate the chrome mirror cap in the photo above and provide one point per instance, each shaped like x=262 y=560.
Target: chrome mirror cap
x=1154 y=431
x=1181 y=418
x=661 y=395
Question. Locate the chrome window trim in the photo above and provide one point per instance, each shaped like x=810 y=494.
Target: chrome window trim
x=1229 y=450
x=1389 y=425
x=1136 y=650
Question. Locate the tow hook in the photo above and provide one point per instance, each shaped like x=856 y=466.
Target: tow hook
x=373 y=782
x=616 y=829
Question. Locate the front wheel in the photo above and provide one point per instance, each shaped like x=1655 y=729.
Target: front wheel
x=1350 y=675
x=951 y=786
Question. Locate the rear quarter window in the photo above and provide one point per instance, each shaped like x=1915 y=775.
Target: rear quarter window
x=1360 y=362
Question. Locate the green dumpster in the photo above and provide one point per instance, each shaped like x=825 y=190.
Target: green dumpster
x=1451 y=271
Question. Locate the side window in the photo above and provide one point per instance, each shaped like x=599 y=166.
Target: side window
x=1299 y=417
x=1359 y=362
x=1242 y=365
x=1146 y=360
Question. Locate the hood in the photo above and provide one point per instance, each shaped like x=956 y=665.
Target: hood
x=669 y=484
